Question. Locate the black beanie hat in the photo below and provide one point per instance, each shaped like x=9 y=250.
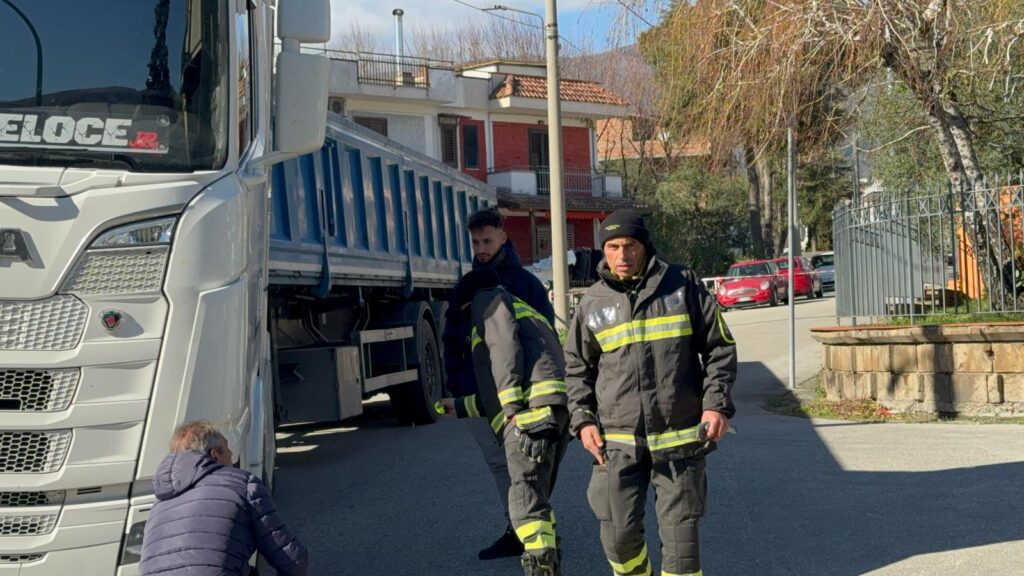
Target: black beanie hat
x=626 y=223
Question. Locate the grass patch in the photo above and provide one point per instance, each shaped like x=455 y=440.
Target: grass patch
x=811 y=403
x=967 y=312
x=963 y=318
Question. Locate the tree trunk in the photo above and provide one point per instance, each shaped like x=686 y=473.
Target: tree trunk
x=754 y=205
x=765 y=179
x=980 y=207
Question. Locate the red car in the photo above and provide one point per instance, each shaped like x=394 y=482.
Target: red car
x=806 y=280
x=751 y=283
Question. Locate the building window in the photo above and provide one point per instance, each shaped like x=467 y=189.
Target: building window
x=375 y=123
x=471 y=146
x=543 y=248
x=449 y=150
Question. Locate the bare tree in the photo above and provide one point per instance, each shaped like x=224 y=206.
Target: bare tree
x=357 y=39
x=742 y=71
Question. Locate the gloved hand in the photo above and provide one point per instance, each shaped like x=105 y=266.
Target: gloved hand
x=537 y=441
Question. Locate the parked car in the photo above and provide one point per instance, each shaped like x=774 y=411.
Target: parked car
x=751 y=283
x=824 y=263
x=806 y=280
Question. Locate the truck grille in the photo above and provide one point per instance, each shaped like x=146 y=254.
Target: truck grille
x=53 y=324
x=30 y=499
x=37 y=390
x=33 y=452
x=122 y=271
x=20 y=558
x=27 y=524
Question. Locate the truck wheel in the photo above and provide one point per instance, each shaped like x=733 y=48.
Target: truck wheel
x=413 y=402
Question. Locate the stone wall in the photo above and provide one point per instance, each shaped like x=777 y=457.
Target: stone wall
x=966 y=369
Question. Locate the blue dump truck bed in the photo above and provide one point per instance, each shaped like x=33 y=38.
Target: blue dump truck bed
x=369 y=212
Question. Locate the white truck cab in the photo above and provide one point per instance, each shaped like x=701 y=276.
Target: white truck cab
x=135 y=145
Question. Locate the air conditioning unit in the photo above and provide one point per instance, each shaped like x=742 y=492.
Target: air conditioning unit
x=336 y=105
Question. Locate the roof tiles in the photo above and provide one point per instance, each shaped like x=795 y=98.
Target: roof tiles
x=521 y=86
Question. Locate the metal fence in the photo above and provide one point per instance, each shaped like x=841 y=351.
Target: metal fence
x=928 y=254
x=575 y=182
x=388 y=69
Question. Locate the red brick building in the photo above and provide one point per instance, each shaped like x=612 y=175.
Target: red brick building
x=490 y=121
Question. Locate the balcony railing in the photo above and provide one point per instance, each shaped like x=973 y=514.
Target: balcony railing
x=537 y=180
x=389 y=69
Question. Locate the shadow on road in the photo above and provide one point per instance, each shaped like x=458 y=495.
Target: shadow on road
x=368 y=496
x=782 y=504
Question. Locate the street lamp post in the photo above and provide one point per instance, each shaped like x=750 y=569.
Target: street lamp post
x=559 y=267
x=39 y=51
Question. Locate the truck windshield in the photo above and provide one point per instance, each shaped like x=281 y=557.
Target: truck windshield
x=126 y=84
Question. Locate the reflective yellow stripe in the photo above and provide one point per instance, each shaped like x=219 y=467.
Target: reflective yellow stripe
x=537 y=535
x=547 y=387
x=527 y=417
x=510 y=396
x=672 y=439
x=647 y=330
x=606 y=334
x=721 y=327
x=469 y=404
x=474 y=339
x=497 y=423
x=631 y=565
x=667 y=573
x=620 y=438
x=524 y=310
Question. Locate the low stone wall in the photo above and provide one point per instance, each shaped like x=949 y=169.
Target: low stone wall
x=970 y=369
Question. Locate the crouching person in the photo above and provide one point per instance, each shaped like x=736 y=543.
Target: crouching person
x=210 y=516
x=520 y=373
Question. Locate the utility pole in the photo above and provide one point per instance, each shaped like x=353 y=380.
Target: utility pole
x=559 y=267
x=791 y=253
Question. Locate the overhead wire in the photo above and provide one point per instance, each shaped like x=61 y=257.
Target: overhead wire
x=520 y=22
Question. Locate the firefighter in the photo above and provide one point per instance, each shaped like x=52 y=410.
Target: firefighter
x=492 y=250
x=521 y=391
x=650 y=365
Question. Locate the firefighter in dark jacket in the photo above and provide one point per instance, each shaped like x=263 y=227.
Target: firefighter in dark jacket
x=521 y=393
x=492 y=250
x=650 y=365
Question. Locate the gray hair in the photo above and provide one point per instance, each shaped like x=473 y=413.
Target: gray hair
x=197 y=436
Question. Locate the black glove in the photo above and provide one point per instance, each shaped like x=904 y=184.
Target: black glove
x=535 y=442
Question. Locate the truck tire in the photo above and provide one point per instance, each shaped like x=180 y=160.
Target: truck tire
x=413 y=402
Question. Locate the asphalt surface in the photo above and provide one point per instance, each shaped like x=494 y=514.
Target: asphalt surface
x=788 y=496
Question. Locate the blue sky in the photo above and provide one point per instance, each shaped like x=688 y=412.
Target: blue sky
x=590 y=23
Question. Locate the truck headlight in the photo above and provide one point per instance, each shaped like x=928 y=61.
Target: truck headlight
x=129 y=259
x=131 y=550
x=765 y=285
x=145 y=233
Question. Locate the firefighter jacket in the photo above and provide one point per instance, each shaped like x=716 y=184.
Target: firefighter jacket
x=518 y=361
x=458 y=361
x=646 y=358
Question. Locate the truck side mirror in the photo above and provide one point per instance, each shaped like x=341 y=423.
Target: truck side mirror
x=301 y=80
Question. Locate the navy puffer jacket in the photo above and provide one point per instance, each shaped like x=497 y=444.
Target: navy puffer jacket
x=210 y=519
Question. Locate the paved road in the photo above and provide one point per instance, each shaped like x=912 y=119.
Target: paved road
x=788 y=496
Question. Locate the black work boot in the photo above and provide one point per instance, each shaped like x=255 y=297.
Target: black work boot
x=545 y=564
x=507 y=546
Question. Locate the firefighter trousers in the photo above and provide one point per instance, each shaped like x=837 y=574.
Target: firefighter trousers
x=618 y=496
x=529 y=504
